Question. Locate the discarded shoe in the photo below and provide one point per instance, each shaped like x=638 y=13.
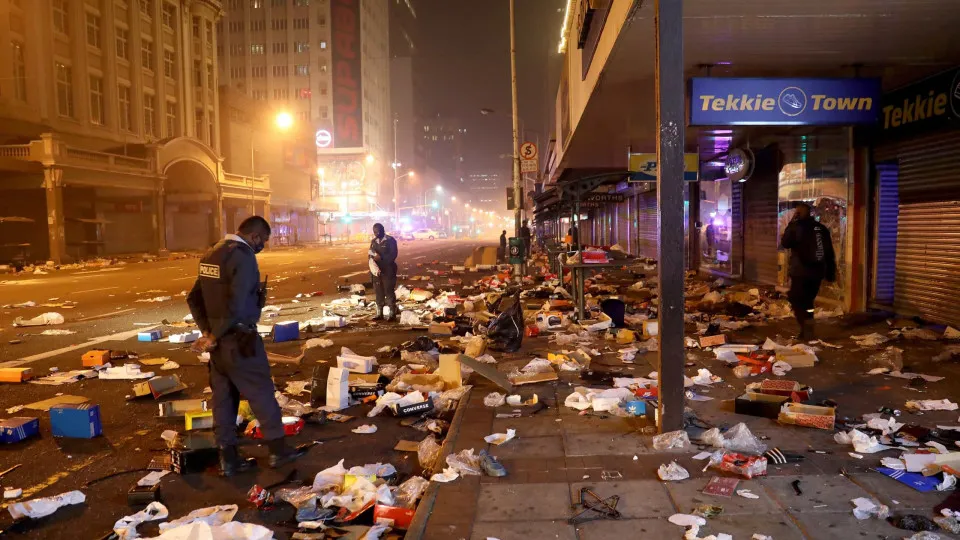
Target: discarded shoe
x=490 y=465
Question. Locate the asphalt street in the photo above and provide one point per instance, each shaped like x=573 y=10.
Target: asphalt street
x=109 y=310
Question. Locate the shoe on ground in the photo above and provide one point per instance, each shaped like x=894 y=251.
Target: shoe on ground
x=490 y=465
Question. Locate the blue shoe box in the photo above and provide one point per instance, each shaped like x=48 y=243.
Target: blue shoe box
x=286 y=331
x=80 y=421
x=153 y=335
x=14 y=430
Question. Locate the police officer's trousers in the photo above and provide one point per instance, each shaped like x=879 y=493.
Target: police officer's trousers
x=385 y=285
x=233 y=376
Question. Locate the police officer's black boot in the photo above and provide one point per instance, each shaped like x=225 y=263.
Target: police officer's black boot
x=281 y=454
x=379 y=315
x=394 y=314
x=232 y=464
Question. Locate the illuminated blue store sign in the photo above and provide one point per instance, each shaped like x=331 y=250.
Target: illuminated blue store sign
x=778 y=102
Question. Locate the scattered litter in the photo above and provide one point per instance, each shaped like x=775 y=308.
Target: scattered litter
x=674 y=440
x=870 y=340
x=500 y=438
x=38 y=508
x=747 y=494
x=672 y=472
x=56 y=332
x=365 y=429
x=126 y=527
x=494 y=399
x=44 y=319
x=932 y=405
x=324 y=343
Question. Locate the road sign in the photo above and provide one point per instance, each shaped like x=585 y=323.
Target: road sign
x=323 y=138
x=528 y=165
x=528 y=150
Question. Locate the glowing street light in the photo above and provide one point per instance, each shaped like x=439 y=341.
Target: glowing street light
x=439 y=189
x=284 y=120
x=454 y=199
x=369 y=159
x=435 y=204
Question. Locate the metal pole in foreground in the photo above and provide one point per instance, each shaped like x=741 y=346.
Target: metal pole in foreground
x=517 y=186
x=668 y=24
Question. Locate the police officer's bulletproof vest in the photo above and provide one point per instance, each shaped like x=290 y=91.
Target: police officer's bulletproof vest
x=214 y=283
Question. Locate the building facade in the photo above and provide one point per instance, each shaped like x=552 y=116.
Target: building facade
x=109 y=137
x=284 y=53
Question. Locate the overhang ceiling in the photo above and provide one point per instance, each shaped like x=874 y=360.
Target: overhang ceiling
x=897 y=40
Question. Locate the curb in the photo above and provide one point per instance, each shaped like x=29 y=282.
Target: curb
x=419 y=523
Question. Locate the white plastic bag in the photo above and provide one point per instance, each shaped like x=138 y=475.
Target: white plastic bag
x=494 y=399
x=672 y=472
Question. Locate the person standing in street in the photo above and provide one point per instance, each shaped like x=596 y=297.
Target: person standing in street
x=383 y=272
x=226 y=301
x=503 y=246
x=525 y=235
x=811 y=261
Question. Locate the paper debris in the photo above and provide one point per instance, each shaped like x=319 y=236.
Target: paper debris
x=152 y=479
x=870 y=340
x=448 y=475
x=44 y=319
x=56 y=332
x=124 y=372
x=38 y=508
x=365 y=429
x=324 y=343
x=126 y=527
x=932 y=405
x=866 y=508
x=500 y=438
x=747 y=494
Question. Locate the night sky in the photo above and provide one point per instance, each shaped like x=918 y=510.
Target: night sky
x=465 y=61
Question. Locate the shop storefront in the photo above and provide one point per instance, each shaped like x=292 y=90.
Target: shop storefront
x=785 y=141
x=916 y=201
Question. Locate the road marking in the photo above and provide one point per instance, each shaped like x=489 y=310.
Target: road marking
x=120 y=336
x=93 y=290
x=355 y=274
x=100 y=271
x=102 y=315
x=418 y=258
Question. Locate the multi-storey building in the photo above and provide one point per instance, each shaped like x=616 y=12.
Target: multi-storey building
x=286 y=53
x=108 y=127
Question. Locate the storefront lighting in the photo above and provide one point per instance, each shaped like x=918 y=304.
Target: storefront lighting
x=563 y=28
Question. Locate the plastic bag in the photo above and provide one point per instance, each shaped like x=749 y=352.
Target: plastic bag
x=741 y=372
x=448 y=399
x=736 y=439
x=505 y=332
x=867 y=508
x=410 y=491
x=409 y=318
x=673 y=472
x=494 y=399
x=891 y=359
x=465 y=462
x=674 y=440
x=428 y=452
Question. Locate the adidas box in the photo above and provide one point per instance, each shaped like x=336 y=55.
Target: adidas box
x=13 y=430
x=80 y=421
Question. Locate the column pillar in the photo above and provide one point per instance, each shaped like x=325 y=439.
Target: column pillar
x=53 y=186
x=218 y=215
x=160 y=219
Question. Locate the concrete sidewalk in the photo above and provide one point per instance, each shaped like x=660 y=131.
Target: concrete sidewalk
x=558 y=450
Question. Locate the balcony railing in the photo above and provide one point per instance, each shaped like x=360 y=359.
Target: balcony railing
x=104 y=158
x=15 y=151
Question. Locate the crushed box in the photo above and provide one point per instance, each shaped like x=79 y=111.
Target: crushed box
x=81 y=421
x=286 y=331
x=193 y=461
x=181 y=407
x=15 y=375
x=143 y=495
x=14 y=430
x=158 y=387
x=96 y=358
x=807 y=415
x=356 y=364
x=398 y=518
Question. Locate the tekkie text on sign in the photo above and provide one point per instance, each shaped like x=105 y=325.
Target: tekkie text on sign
x=760 y=103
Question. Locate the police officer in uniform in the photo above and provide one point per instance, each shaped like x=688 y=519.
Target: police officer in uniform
x=383 y=271
x=225 y=302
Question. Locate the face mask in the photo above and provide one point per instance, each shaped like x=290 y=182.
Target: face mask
x=379 y=233
x=258 y=245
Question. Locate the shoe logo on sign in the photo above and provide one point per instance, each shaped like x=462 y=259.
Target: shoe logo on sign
x=792 y=101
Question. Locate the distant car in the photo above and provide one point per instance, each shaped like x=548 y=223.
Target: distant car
x=425 y=234
x=403 y=235
x=443 y=234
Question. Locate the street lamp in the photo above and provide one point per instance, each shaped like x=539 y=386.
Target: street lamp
x=284 y=120
x=369 y=159
x=396 y=191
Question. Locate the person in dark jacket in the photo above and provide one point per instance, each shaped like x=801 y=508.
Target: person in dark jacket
x=226 y=301
x=503 y=246
x=383 y=271
x=525 y=235
x=811 y=261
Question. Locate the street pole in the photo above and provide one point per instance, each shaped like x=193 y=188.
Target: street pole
x=517 y=186
x=396 y=180
x=253 y=176
x=668 y=30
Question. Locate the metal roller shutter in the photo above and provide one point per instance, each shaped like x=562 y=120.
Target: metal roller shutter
x=927 y=277
x=647 y=224
x=760 y=229
x=736 y=229
x=885 y=253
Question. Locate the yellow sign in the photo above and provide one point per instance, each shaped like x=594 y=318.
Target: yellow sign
x=643 y=167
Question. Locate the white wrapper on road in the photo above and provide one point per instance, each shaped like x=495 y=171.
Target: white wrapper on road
x=233 y=530
x=38 y=508
x=126 y=527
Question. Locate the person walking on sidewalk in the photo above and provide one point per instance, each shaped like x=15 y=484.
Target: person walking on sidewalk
x=811 y=261
x=525 y=235
x=226 y=301
x=503 y=246
x=383 y=272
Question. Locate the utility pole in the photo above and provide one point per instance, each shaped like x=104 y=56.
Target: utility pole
x=517 y=181
x=668 y=31
x=396 y=179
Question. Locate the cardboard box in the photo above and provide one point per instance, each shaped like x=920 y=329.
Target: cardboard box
x=449 y=371
x=76 y=421
x=198 y=420
x=533 y=378
x=398 y=518
x=291 y=426
x=338 y=389
x=286 y=331
x=636 y=407
x=439 y=329
x=797 y=359
x=158 y=387
x=414 y=409
x=152 y=335
x=807 y=415
x=13 y=430
x=181 y=407
x=780 y=387
x=96 y=358
x=356 y=364
x=651 y=329
x=765 y=405
x=193 y=461
x=713 y=341
x=188 y=337
x=15 y=375
x=197 y=440
x=143 y=495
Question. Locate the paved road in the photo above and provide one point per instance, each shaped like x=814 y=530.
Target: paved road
x=107 y=306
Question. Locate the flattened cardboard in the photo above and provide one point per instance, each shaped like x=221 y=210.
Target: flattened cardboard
x=534 y=378
x=721 y=486
x=797 y=359
x=437 y=329
x=154 y=361
x=488 y=371
x=407 y=446
x=713 y=341
x=283 y=359
x=450 y=371
x=54 y=401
